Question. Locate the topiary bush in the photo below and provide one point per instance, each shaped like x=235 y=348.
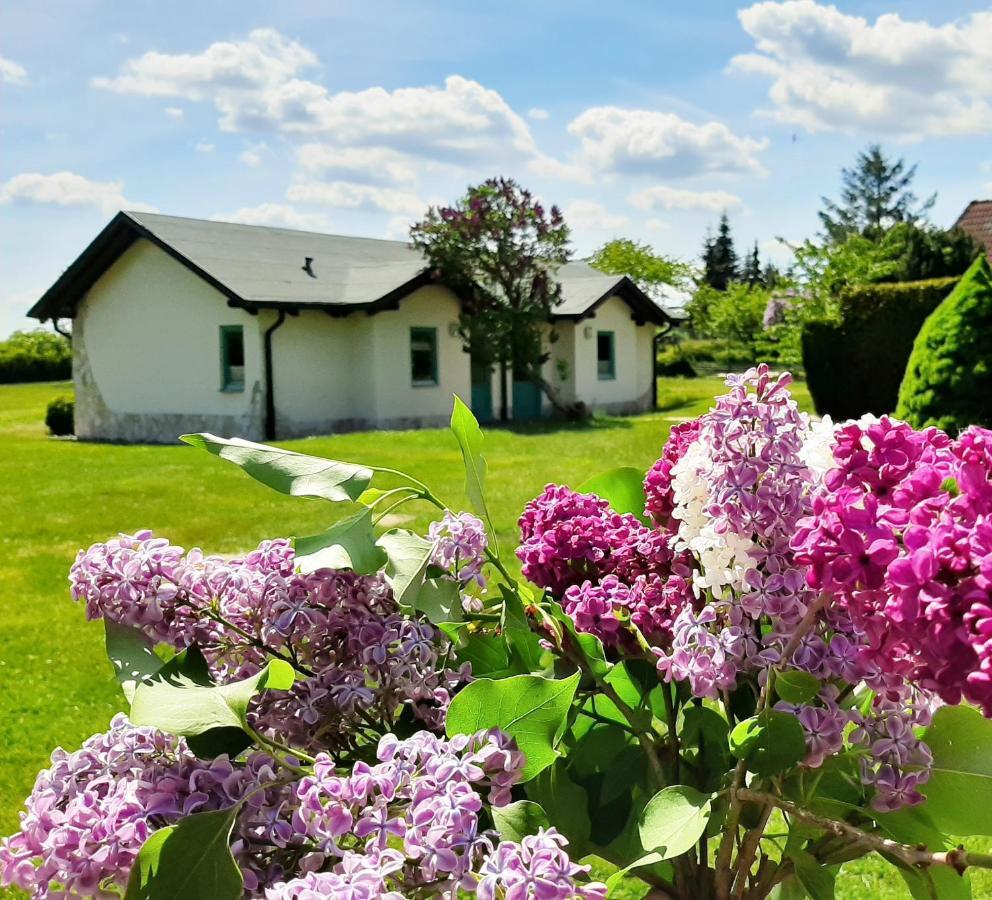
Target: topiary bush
x=855 y=365
x=948 y=381
x=59 y=416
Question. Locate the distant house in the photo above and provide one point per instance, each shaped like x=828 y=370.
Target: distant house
x=189 y=325
x=976 y=220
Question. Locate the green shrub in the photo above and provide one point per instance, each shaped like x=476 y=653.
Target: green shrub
x=35 y=356
x=59 y=416
x=855 y=365
x=948 y=380
x=673 y=360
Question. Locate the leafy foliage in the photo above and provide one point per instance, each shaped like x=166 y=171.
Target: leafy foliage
x=948 y=379
x=855 y=364
x=643 y=264
x=60 y=416
x=498 y=248
x=35 y=356
x=875 y=195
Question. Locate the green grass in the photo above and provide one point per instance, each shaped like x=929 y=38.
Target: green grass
x=61 y=495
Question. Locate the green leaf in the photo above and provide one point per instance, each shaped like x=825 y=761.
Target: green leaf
x=408 y=556
x=517 y=820
x=288 y=472
x=771 y=742
x=132 y=654
x=465 y=428
x=674 y=819
x=191 y=859
x=530 y=708
x=818 y=881
x=178 y=703
x=796 y=687
x=622 y=488
x=959 y=792
x=348 y=544
x=486 y=652
x=526 y=653
x=565 y=803
x=440 y=600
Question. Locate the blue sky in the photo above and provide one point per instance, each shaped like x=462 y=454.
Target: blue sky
x=642 y=119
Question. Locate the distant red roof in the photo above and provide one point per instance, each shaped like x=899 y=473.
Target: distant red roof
x=976 y=220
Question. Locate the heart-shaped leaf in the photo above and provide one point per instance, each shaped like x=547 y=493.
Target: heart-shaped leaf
x=530 y=708
x=770 y=742
x=348 y=544
x=132 y=654
x=622 y=488
x=467 y=432
x=517 y=820
x=674 y=819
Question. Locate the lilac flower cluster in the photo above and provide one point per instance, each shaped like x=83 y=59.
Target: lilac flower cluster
x=91 y=811
x=411 y=823
x=362 y=657
x=901 y=535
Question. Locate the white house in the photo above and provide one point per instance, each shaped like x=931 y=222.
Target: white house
x=188 y=325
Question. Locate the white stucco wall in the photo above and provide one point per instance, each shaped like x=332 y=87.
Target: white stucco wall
x=630 y=388
x=147 y=354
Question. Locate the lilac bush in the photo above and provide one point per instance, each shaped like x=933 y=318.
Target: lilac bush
x=781 y=616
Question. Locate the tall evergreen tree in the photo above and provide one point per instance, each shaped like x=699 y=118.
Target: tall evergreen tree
x=875 y=195
x=719 y=257
x=751 y=273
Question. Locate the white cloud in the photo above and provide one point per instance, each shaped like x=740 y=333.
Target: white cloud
x=588 y=215
x=255 y=85
x=69 y=189
x=658 y=225
x=279 y=215
x=537 y=114
x=11 y=72
x=370 y=164
x=549 y=167
x=664 y=197
x=349 y=195
x=832 y=71
x=252 y=154
x=647 y=142
x=174 y=112
x=205 y=147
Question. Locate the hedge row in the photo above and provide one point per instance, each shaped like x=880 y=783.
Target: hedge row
x=856 y=366
x=35 y=356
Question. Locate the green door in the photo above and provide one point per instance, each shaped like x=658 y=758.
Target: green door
x=482 y=392
x=526 y=400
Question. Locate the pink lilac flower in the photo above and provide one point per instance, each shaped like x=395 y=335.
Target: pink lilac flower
x=658 y=481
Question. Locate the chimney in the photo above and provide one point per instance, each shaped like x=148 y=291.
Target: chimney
x=308 y=266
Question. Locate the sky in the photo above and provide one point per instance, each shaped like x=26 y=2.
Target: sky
x=639 y=119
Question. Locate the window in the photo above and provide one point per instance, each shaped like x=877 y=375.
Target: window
x=423 y=356
x=232 y=358
x=606 y=364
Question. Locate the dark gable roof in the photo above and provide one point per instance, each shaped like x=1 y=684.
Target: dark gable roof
x=257 y=267
x=976 y=220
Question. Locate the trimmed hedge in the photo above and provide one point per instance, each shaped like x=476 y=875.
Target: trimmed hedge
x=856 y=366
x=60 y=416
x=35 y=356
x=948 y=380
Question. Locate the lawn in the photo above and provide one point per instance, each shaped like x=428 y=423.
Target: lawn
x=61 y=495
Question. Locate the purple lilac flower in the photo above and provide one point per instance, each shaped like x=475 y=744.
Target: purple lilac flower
x=460 y=547
x=91 y=810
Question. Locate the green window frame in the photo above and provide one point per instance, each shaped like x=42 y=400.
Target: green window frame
x=423 y=357
x=232 y=358
x=606 y=355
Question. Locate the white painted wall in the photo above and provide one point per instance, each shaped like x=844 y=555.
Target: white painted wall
x=150 y=333
x=633 y=345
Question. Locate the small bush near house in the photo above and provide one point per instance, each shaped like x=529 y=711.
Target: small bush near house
x=948 y=380
x=35 y=356
x=855 y=365
x=59 y=416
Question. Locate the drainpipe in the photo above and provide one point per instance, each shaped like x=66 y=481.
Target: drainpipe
x=65 y=334
x=270 y=397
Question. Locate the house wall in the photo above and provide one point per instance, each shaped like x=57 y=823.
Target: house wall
x=631 y=390
x=146 y=355
x=341 y=374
